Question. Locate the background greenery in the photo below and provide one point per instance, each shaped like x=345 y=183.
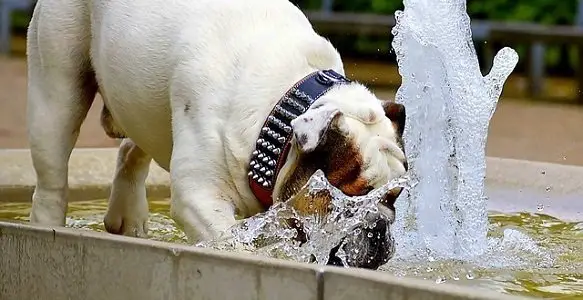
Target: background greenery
x=539 y=11
x=561 y=60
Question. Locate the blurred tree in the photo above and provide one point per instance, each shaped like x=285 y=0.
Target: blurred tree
x=563 y=12
x=539 y=11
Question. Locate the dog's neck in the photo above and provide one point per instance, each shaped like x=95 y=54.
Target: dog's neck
x=272 y=148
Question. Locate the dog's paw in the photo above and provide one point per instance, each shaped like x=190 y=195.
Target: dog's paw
x=134 y=226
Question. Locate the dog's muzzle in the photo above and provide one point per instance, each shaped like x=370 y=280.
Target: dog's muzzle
x=368 y=246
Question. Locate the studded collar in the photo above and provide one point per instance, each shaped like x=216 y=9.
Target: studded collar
x=274 y=140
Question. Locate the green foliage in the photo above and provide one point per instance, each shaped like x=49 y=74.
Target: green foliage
x=538 y=11
x=552 y=12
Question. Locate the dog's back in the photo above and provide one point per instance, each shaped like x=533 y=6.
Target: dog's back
x=143 y=55
x=134 y=49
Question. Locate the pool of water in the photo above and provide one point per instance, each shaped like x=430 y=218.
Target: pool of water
x=560 y=279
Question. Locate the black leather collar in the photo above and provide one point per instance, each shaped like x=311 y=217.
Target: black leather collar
x=273 y=143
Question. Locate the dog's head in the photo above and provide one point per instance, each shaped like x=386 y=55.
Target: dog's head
x=356 y=140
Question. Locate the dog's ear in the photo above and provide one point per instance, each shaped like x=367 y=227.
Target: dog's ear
x=396 y=113
x=311 y=127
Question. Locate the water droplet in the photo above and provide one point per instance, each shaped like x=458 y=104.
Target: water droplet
x=540 y=207
x=440 y=280
x=470 y=275
x=429 y=269
x=456 y=278
x=370 y=235
x=548 y=189
x=543 y=172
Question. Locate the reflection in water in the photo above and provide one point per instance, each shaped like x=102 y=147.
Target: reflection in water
x=89 y=215
x=561 y=280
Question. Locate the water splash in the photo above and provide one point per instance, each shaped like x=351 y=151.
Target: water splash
x=449 y=107
x=442 y=214
x=275 y=233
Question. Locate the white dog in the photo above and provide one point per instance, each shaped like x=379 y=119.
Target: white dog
x=208 y=89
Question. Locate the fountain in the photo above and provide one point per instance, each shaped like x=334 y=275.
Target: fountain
x=443 y=213
x=443 y=230
x=449 y=105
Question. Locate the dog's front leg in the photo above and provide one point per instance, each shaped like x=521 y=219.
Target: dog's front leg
x=200 y=201
x=198 y=205
x=201 y=192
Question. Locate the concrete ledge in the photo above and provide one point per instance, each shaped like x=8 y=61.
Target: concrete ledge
x=90 y=174
x=91 y=171
x=61 y=263
x=555 y=179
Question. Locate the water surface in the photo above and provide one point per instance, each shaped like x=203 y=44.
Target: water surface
x=563 y=279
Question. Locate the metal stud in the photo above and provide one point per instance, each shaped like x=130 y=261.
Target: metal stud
x=261 y=155
x=255 y=152
x=275 y=121
x=260 y=180
x=281 y=140
x=287 y=114
x=265 y=159
x=269 y=173
x=266 y=184
x=275 y=135
x=255 y=176
x=262 y=170
x=271 y=163
x=264 y=144
x=259 y=141
x=279 y=123
x=253 y=163
x=302 y=96
x=264 y=129
x=294 y=104
x=270 y=147
x=277 y=151
x=250 y=173
x=257 y=166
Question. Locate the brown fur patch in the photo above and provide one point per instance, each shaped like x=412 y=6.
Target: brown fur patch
x=340 y=161
x=397 y=114
x=315 y=204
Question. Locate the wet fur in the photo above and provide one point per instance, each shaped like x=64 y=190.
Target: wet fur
x=342 y=163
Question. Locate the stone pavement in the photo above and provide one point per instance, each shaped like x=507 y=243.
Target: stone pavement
x=519 y=129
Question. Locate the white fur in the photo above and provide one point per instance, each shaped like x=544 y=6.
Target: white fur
x=229 y=61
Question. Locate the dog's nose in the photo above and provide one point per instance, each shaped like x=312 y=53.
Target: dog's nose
x=378 y=222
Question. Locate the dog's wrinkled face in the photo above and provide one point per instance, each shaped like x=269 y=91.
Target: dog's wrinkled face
x=358 y=150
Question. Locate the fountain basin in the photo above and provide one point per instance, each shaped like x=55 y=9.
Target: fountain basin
x=62 y=263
